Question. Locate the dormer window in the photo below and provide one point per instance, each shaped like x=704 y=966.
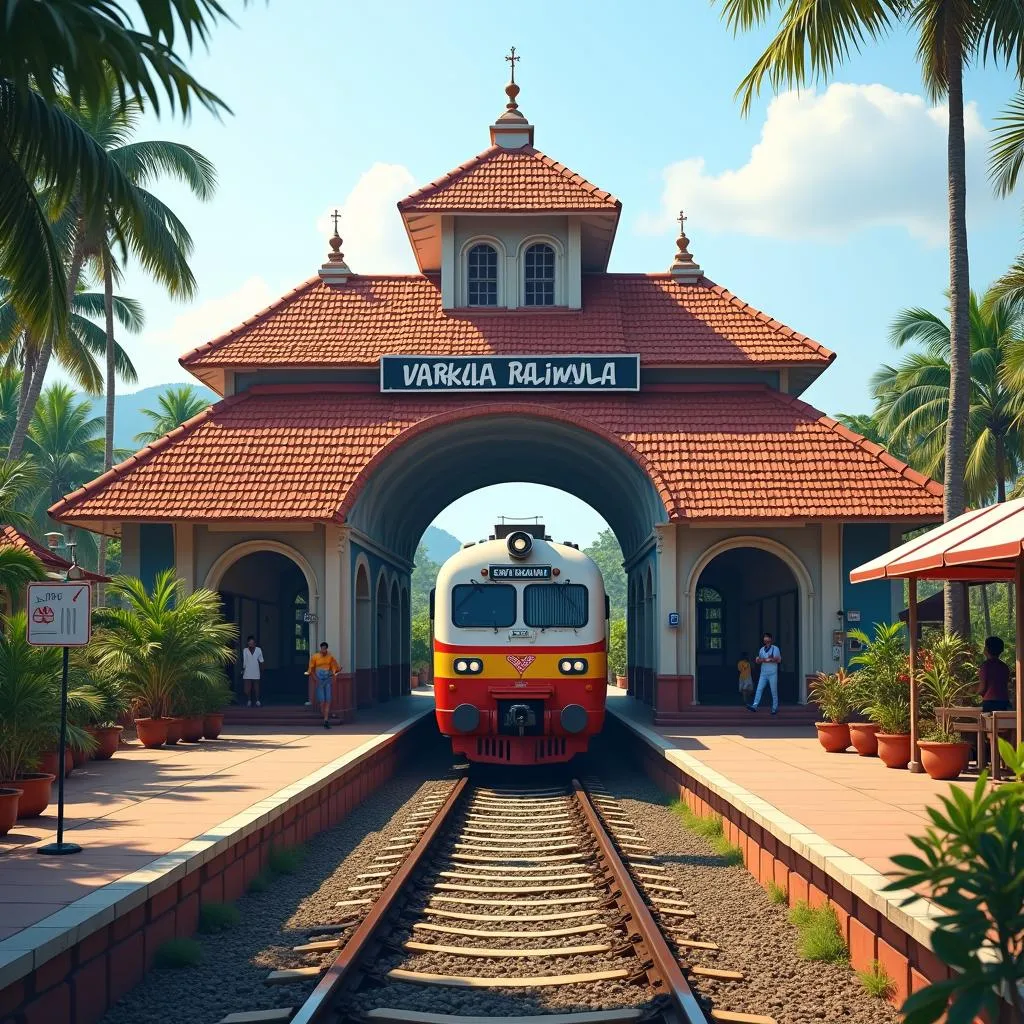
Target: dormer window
x=539 y=275
x=482 y=275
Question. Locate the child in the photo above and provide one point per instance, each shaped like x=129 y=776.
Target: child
x=994 y=678
x=746 y=681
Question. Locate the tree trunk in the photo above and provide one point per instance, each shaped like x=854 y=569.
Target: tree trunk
x=111 y=383
x=986 y=612
x=28 y=366
x=1000 y=454
x=30 y=388
x=959 y=320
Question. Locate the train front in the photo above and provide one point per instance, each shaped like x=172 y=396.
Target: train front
x=520 y=663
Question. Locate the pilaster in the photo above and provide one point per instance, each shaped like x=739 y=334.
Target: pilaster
x=332 y=627
x=667 y=601
x=574 y=266
x=185 y=554
x=831 y=596
x=448 y=269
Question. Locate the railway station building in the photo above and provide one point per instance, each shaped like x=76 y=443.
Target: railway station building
x=358 y=406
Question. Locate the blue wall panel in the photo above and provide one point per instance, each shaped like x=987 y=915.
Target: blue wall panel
x=156 y=551
x=861 y=543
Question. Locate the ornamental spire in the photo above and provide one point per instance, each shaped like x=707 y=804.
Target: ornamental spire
x=684 y=267
x=335 y=271
x=511 y=130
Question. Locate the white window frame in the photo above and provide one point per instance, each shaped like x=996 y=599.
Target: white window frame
x=561 y=298
x=462 y=299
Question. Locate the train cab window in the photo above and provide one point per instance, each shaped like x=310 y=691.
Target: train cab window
x=492 y=606
x=547 y=605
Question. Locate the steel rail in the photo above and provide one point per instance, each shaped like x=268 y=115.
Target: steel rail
x=319 y=1005
x=674 y=983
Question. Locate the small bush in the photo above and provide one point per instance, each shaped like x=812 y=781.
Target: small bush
x=801 y=914
x=819 y=937
x=286 y=862
x=876 y=982
x=261 y=883
x=710 y=828
x=177 y=953
x=218 y=917
x=776 y=893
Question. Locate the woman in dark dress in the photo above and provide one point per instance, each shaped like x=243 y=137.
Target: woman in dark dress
x=994 y=678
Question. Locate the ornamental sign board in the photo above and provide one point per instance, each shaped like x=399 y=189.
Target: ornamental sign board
x=59 y=614
x=486 y=374
x=519 y=572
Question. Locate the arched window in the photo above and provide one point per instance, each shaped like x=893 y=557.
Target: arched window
x=539 y=275
x=482 y=275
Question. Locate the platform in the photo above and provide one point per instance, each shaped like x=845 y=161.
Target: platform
x=146 y=817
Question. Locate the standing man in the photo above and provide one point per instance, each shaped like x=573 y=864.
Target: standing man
x=769 y=658
x=252 y=671
x=323 y=667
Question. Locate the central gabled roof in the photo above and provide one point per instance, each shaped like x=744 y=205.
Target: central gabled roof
x=670 y=324
x=502 y=180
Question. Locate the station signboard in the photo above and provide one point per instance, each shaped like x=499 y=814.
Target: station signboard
x=519 y=572
x=59 y=614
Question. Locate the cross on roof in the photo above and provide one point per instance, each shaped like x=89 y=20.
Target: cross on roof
x=513 y=59
x=335 y=217
x=682 y=218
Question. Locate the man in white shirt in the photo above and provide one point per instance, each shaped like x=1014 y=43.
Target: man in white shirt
x=769 y=658
x=252 y=671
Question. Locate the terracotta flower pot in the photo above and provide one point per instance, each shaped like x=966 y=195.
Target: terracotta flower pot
x=833 y=736
x=152 y=731
x=78 y=757
x=108 y=739
x=192 y=728
x=894 y=749
x=35 y=793
x=944 y=760
x=862 y=736
x=48 y=762
x=8 y=809
x=173 y=731
x=622 y=682
x=212 y=725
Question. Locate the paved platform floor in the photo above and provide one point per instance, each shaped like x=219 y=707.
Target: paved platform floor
x=142 y=804
x=854 y=803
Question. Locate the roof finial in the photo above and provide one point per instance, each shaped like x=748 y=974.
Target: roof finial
x=512 y=91
x=335 y=271
x=684 y=267
x=513 y=60
x=512 y=130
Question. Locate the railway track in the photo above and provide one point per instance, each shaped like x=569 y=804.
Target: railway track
x=536 y=905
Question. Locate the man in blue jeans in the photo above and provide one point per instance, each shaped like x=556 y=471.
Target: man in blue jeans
x=769 y=658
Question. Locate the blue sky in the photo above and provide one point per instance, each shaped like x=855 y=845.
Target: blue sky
x=825 y=210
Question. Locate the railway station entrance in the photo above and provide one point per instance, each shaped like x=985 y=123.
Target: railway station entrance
x=366 y=403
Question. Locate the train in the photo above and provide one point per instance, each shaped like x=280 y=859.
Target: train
x=520 y=648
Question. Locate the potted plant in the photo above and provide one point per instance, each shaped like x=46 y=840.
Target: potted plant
x=217 y=695
x=883 y=690
x=156 y=642
x=114 y=703
x=834 y=693
x=190 y=706
x=947 y=680
x=9 y=797
x=617 y=652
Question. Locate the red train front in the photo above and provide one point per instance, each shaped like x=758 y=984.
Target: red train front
x=520 y=653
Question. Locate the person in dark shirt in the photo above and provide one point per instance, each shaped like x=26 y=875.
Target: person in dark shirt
x=994 y=678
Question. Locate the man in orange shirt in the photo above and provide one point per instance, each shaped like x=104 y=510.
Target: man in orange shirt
x=323 y=667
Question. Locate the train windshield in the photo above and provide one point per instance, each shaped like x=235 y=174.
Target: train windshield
x=547 y=605
x=474 y=604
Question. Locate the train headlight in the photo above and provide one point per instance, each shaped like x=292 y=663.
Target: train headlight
x=572 y=666
x=519 y=544
x=475 y=666
x=468 y=666
x=461 y=665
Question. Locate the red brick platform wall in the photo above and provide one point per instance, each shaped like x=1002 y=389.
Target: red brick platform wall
x=79 y=985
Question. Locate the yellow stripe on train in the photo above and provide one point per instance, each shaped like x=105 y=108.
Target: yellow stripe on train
x=520 y=665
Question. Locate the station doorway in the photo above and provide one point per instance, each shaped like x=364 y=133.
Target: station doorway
x=265 y=595
x=741 y=594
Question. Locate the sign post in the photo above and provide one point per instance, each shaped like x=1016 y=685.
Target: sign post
x=60 y=615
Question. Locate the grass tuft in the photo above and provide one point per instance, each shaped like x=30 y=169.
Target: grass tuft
x=876 y=982
x=801 y=914
x=286 y=862
x=218 y=917
x=178 y=953
x=261 y=883
x=709 y=828
x=819 y=935
x=776 y=893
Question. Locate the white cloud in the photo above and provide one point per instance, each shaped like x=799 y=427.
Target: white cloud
x=853 y=157
x=375 y=241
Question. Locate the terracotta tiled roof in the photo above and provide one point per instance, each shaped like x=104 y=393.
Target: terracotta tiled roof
x=748 y=453
x=52 y=562
x=510 y=180
x=666 y=322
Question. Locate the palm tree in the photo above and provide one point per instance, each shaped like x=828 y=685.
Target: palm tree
x=814 y=38
x=175 y=405
x=90 y=50
x=17 y=566
x=912 y=398
x=131 y=220
x=160 y=642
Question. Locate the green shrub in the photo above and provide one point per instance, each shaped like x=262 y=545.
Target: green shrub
x=876 y=982
x=286 y=862
x=261 y=883
x=800 y=915
x=711 y=829
x=776 y=893
x=617 y=647
x=218 y=917
x=176 y=953
x=819 y=935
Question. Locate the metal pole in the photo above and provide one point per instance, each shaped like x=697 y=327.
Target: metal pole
x=915 y=754
x=60 y=848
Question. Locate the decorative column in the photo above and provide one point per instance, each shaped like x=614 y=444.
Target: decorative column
x=336 y=630
x=673 y=691
x=184 y=555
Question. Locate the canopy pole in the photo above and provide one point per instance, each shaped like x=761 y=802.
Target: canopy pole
x=915 y=755
x=1018 y=703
